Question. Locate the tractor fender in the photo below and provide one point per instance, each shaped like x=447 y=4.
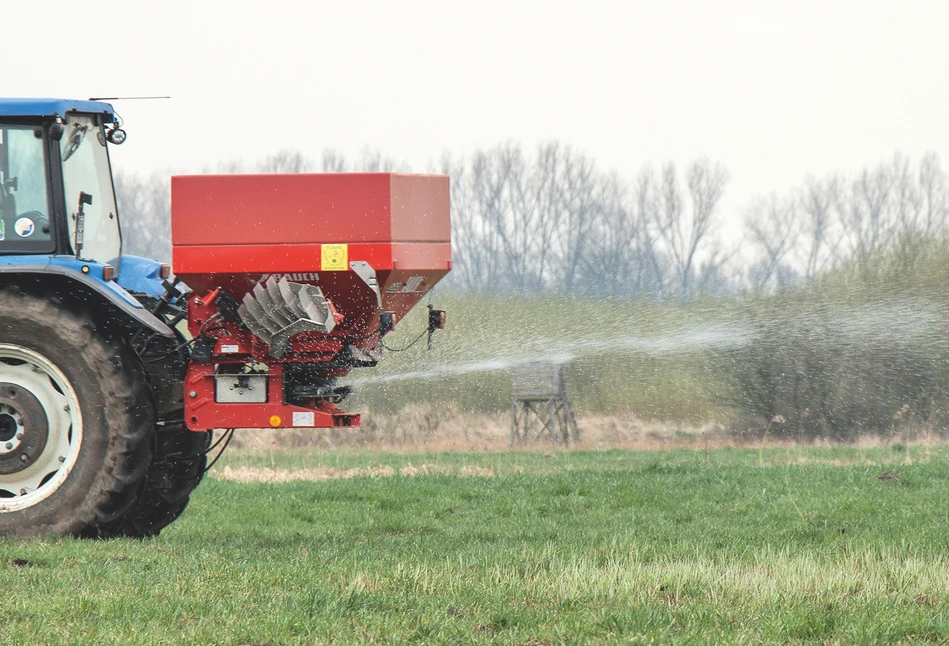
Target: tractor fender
x=141 y=275
x=89 y=275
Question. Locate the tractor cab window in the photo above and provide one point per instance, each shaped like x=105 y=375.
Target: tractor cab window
x=87 y=178
x=24 y=191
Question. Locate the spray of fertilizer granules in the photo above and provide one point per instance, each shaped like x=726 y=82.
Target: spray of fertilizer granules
x=895 y=320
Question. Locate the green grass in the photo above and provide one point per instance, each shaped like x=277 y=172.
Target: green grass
x=724 y=546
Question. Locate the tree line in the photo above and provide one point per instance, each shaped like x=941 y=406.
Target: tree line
x=549 y=219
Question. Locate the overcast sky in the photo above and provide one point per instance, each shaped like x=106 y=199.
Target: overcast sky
x=773 y=93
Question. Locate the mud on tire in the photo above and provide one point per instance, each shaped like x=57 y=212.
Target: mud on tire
x=73 y=400
x=177 y=468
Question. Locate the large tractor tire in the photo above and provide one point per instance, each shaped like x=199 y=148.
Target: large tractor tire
x=76 y=421
x=180 y=455
x=177 y=468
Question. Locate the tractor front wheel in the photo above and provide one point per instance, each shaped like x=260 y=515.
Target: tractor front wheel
x=76 y=422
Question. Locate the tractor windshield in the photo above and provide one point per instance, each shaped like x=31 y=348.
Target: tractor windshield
x=86 y=170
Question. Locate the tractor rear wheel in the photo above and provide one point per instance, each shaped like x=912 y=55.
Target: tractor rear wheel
x=76 y=421
x=177 y=468
x=180 y=455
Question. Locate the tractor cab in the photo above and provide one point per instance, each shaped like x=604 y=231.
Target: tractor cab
x=56 y=192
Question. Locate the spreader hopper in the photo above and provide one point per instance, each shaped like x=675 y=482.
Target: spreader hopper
x=302 y=274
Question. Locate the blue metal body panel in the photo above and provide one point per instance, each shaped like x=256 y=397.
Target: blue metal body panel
x=89 y=274
x=15 y=107
x=141 y=275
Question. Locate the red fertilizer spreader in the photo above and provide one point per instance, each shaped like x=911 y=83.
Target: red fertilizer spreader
x=295 y=280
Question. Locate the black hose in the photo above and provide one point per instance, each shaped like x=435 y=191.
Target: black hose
x=228 y=434
x=417 y=339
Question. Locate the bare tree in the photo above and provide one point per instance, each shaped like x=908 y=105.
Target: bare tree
x=820 y=242
x=577 y=209
x=612 y=266
x=227 y=167
x=467 y=231
x=489 y=251
x=144 y=205
x=934 y=196
x=497 y=190
x=374 y=161
x=863 y=210
x=333 y=161
x=552 y=220
x=654 y=266
x=684 y=222
x=285 y=161
x=772 y=226
x=906 y=199
x=540 y=211
x=713 y=277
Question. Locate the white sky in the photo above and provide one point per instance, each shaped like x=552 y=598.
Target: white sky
x=773 y=90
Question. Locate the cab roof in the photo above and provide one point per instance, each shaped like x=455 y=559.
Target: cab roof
x=17 y=107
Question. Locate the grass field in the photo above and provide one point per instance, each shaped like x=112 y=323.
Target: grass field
x=688 y=546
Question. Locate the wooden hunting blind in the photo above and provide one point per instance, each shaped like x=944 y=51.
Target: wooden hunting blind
x=540 y=406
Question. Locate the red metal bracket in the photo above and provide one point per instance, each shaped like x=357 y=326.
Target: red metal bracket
x=203 y=412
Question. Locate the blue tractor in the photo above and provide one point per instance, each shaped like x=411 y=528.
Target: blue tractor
x=92 y=436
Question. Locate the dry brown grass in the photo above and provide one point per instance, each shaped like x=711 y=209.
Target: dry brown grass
x=432 y=429
x=422 y=429
x=258 y=474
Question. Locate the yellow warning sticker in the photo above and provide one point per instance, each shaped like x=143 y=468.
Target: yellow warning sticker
x=335 y=257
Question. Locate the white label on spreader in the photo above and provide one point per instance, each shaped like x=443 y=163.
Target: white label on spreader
x=229 y=349
x=303 y=419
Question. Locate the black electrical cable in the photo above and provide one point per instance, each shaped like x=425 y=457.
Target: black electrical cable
x=201 y=331
x=217 y=328
x=417 y=339
x=218 y=441
x=229 y=434
x=135 y=336
x=211 y=319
